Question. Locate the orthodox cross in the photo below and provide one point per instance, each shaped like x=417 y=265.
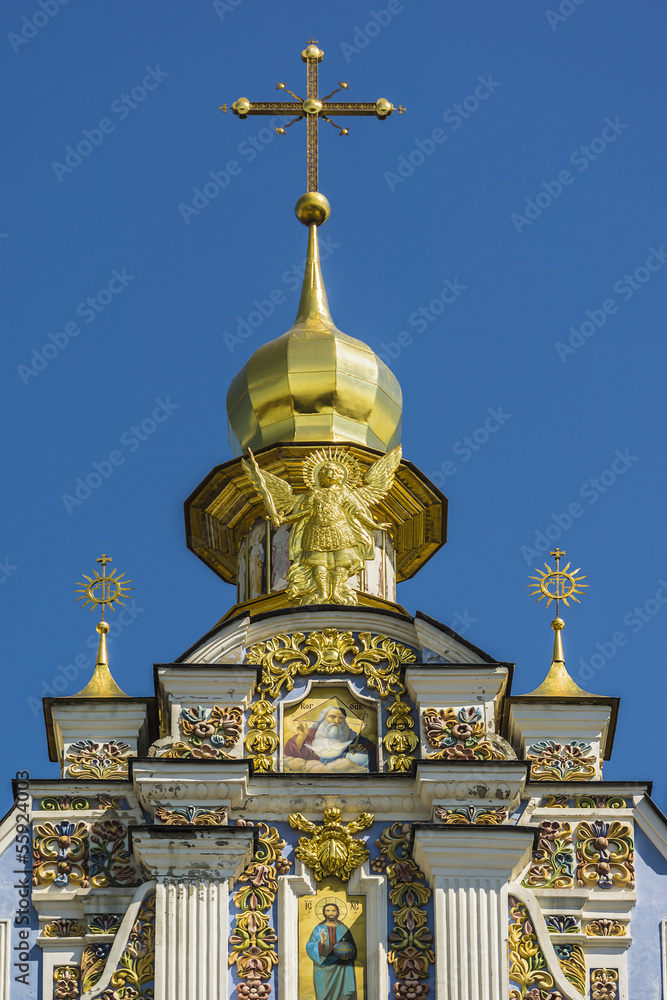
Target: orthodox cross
x=312 y=108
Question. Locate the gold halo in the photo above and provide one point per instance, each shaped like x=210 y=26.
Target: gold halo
x=319 y=907
x=331 y=456
x=558 y=585
x=106 y=590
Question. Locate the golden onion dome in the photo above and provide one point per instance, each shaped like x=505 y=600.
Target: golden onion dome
x=315 y=383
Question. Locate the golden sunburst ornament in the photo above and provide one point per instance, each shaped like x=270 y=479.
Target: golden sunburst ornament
x=558 y=584
x=103 y=589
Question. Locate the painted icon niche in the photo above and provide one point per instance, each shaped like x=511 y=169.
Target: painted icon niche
x=330 y=730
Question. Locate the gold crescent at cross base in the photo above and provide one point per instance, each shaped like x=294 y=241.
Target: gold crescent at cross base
x=312 y=108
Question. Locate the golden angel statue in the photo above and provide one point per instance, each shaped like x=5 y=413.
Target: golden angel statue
x=331 y=538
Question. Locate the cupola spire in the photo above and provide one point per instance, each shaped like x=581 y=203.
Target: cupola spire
x=102 y=590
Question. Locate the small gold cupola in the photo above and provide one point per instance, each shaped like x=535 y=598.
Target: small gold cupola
x=315 y=383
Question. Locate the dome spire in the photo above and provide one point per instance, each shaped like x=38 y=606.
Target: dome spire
x=102 y=590
x=312 y=210
x=558 y=585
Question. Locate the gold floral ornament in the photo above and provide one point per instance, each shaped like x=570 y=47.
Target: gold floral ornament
x=604 y=984
x=553 y=858
x=88 y=759
x=401 y=740
x=331 y=850
x=605 y=928
x=551 y=761
x=332 y=534
x=410 y=941
x=209 y=733
x=60 y=852
x=470 y=815
x=253 y=939
x=93 y=960
x=285 y=657
x=64 y=928
x=66 y=979
x=110 y=859
x=530 y=977
x=192 y=816
x=134 y=977
x=459 y=735
x=605 y=855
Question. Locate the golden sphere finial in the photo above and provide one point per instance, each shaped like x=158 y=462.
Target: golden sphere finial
x=102 y=627
x=312 y=209
x=557 y=624
x=312 y=52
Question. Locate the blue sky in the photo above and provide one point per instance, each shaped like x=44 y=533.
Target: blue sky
x=528 y=172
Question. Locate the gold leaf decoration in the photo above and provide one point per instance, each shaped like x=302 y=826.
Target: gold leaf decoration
x=331 y=850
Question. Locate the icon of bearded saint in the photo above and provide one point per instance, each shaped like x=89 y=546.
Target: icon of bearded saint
x=331 y=537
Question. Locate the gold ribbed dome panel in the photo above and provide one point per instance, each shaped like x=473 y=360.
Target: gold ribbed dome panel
x=314 y=383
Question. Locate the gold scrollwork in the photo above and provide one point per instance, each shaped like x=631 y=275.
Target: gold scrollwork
x=261 y=740
x=331 y=850
x=400 y=740
x=285 y=657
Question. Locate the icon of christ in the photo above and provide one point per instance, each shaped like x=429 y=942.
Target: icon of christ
x=332 y=950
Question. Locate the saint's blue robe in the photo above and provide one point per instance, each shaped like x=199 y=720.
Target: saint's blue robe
x=333 y=974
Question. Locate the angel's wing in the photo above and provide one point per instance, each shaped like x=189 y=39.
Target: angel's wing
x=277 y=494
x=380 y=477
